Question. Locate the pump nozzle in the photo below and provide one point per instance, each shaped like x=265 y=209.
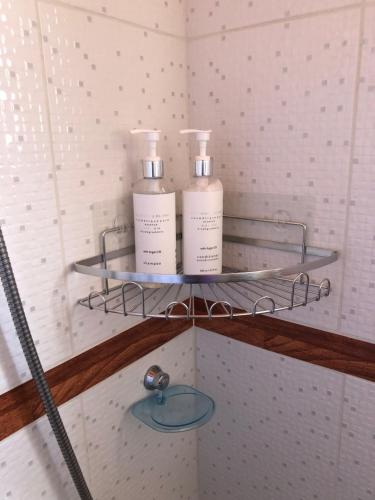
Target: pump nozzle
x=202 y=136
x=203 y=165
x=152 y=164
x=152 y=136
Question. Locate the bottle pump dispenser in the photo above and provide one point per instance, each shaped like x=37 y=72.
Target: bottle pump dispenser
x=152 y=165
x=154 y=214
x=202 y=214
x=202 y=167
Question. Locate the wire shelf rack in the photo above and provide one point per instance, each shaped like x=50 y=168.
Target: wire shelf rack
x=227 y=295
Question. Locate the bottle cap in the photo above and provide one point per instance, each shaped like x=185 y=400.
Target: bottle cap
x=152 y=165
x=203 y=165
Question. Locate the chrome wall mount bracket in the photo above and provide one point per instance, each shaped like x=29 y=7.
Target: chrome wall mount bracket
x=230 y=294
x=175 y=408
x=156 y=379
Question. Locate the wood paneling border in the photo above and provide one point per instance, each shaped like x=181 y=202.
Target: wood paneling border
x=21 y=405
x=344 y=354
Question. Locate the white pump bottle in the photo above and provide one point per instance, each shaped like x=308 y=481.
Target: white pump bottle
x=154 y=214
x=202 y=214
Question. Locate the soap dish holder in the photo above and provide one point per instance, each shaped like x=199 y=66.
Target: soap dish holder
x=174 y=408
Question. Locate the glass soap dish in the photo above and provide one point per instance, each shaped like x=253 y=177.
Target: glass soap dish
x=175 y=409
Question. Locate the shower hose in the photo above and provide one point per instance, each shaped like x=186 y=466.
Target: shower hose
x=35 y=366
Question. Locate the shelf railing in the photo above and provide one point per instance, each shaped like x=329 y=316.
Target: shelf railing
x=230 y=294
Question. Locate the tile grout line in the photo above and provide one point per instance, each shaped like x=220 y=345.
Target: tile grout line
x=61 y=234
x=196 y=375
x=185 y=20
x=341 y=418
x=197 y=444
x=60 y=3
x=53 y=164
x=185 y=37
x=86 y=441
x=351 y=154
x=307 y=15
x=187 y=86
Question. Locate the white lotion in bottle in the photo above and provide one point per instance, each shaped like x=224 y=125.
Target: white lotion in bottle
x=202 y=214
x=154 y=215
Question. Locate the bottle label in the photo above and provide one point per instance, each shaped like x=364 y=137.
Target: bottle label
x=155 y=233
x=202 y=232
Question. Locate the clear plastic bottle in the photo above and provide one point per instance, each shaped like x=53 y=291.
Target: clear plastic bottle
x=202 y=215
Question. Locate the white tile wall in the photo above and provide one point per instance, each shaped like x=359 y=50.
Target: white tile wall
x=219 y=15
x=91 y=115
x=160 y=15
x=302 y=432
x=120 y=457
x=282 y=116
x=283 y=428
x=29 y=213
x=31 y=465
x=359 y=291
x=65 y=126
x=285 y=95
x=276 y=431
x=282 y=112
x=356 y=478
x=127 y=459
x=75 y=79
x=289 y=97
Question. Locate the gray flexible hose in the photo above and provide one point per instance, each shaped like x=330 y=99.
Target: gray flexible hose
x=36 y=369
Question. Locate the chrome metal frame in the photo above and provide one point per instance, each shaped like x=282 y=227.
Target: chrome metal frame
x=231 y=293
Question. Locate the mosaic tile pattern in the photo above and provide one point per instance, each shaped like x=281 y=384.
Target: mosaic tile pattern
x=51 y=78
x=282 y=114
x=357 y=317
x=31 y=465
x=356 y=479
x=286 y=108
x=261 y=94
x=219 y=15
x=29 y=214
x=96 y=158
x=127 y=459
x=81 y=154
x=119 y=456
x=276 y=431
x=161 y=15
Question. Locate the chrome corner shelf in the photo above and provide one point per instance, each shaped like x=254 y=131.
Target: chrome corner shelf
x=226 y=295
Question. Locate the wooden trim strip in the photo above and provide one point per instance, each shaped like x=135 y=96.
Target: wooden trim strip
x=21 y=405
x=340 y=353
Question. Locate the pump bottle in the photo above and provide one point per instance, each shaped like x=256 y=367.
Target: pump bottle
x=154 y=214
x=202 y=215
